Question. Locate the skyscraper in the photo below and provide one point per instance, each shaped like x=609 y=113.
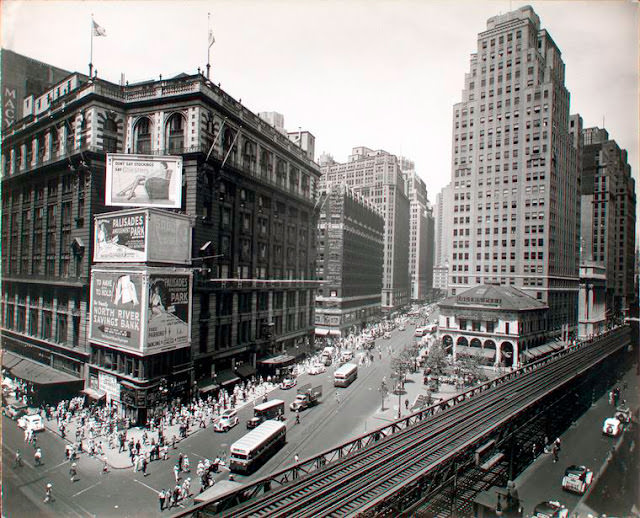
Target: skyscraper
x=516 y=194
x=376 y=175
x=609 y=215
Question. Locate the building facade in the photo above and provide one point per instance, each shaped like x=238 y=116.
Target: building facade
x=248 y=189
x=609 y=216
x=421 y=233
x=442 y=230
x=376 y=175
x=516 y=203
x=349 y=262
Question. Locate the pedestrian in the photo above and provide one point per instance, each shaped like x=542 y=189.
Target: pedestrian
x=296 y=458
x=173 y=441
x=161 y=499
x=557 y=443
x=555 y=452
x=186 y=465
x=176 y=472
x=37 y=457
x=144 y=466
x=181 y=461
x=73 y=472
x=18 y=461
x=105 y=466
x=48 y=495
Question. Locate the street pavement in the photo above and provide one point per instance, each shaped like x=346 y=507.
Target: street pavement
x=582 y=444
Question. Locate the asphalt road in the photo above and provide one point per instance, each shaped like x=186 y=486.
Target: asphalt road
x=125 y=493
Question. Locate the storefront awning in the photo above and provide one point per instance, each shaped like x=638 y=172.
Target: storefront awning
x=535 y=352
x=34 y=372
x=322 y=332
x=226 y=377
x=10 y=359
x=281 y=360
x=335 y=332
x=96 y=394
x=245 y=370
x=207 y=385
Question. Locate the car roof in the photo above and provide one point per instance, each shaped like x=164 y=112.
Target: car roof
x=576 y=469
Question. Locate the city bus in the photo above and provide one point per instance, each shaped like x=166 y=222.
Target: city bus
x=251 y=451
x=345 y=375
x=273 y=409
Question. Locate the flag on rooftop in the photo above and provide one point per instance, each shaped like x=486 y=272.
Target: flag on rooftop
x=212 y=40
x=97 y=30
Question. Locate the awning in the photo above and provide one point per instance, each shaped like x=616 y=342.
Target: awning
x=29 y=370
x=322 y=332
x=96 y=394
x=535 y=352
x=246 y=370
x=226 y=377
x=10 y=359
x=335 y=332
x=281 y=360
x=207 y=385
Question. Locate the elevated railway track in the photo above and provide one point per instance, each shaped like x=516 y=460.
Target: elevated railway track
x=400 y=470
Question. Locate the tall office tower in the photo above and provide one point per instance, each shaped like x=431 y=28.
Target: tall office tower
x=609 y=215
x=442 y=231
x=516 y=194
x=420 y=232
x=348 y=262
x=376 y=175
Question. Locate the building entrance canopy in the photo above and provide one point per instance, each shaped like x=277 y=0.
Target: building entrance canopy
x=34 y=372
x=278 y=361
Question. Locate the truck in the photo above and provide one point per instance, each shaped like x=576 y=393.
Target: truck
x=307 y=397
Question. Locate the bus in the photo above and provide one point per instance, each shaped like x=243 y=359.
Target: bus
x=345 y=375
x=273 y=409
x=251 y=451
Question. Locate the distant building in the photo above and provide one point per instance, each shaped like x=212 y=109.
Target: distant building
x=421 y=238
x=349 y=262
x=23 y=76
x=440 y=277
x=376 y=175
x=443 y=226
x=500 y=325
x=608 y=216
x=592 y=302
x=515 y=173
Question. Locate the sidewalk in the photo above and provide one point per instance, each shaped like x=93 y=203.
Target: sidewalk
x=121 y=460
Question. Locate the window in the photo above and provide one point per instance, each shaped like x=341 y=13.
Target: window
x=142 y=135
x=110 y=136
x=174 y=133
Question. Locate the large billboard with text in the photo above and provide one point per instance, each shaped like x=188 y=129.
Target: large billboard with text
x=144 y=311
x=142 y=235
x=143 y=181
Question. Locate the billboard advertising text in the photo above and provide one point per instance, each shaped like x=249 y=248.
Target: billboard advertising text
x=143 y=181
x=168 y=311
x=120 y=238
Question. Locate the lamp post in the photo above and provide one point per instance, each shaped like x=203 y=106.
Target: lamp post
x=383 y=393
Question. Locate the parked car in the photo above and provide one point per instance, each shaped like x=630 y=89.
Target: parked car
x=15 y=410
x=550 y=509
x=387 y=335
x=288 y=383
x=228 y=420
x=612 y=427
x=31 y=422
x=401 y=327
x=577 y=479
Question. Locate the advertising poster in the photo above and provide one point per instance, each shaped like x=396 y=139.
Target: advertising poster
x=143 y=181
x=168 y=312
x=169 y=238
x=116 y=308
x=120 y=238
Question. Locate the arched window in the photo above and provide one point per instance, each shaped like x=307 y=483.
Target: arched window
x=249 y=154
x=174 y=134
x=265 y=162
x=142 y=136
x=55 y=142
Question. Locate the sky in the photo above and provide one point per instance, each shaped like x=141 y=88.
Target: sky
x=381 y=74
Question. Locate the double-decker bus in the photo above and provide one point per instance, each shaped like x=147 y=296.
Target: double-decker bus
x=345 y=375
x=273 y=409
x=251 y=451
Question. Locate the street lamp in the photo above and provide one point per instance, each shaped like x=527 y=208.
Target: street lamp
x=383 y=393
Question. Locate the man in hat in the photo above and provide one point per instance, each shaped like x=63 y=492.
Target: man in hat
x=48 y=495
x=73 y=472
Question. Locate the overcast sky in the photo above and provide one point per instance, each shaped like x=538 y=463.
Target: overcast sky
x=354 y=73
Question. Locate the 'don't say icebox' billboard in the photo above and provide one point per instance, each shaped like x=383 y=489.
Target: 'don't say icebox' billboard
x=142 y=235
x=144 y=311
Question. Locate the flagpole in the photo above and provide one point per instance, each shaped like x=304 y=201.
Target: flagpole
x=91 y=55
x=208 y=44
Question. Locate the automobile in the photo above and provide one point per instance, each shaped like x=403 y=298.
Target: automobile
x=228 y=420
x=327 y=361
x=31 y=422
x=318 y=368
x=15 y=410
x=347 y=356
x=550 y=509
x=577 y=479
x=387 y=335
x=288 y=383
x=612 y=427
x=623 y=414
x=401 y=327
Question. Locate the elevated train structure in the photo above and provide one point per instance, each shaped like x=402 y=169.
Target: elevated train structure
x=440 y=457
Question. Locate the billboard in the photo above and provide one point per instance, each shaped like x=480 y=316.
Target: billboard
x=143 y=181
x=144 y=311
x=142 y=235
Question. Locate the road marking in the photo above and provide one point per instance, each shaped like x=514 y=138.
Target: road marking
x=87 y=488
x=145 y=485
x=56 y=466
x=13 y=453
